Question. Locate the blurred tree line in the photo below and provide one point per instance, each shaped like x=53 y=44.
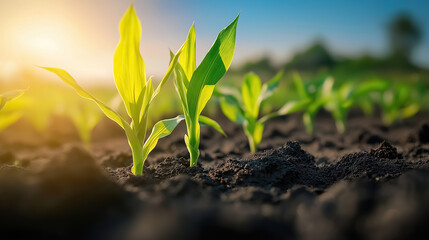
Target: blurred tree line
x=403 y=33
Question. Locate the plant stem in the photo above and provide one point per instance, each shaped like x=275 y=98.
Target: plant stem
x=138 y=158
x=252 y=145
x=193 y=141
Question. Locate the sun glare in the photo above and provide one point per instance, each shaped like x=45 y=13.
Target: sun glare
x=42 y=37
x=8 y=70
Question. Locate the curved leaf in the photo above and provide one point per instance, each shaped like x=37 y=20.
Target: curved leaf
x=9 y=96
x=211 y=69
x=290 y=107
x=231 y=109
x=212 y=123
x=128 y=65
x=67 y=78
x=269 y=87
x=160 y=129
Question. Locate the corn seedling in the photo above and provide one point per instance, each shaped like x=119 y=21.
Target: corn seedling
x=340 y=100
x=311 y=99
x=195 y=85
x=85 y=117
x=397 y=103
x=137 y=93
x=244 y=108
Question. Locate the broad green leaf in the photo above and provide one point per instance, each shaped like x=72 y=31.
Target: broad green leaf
x=230 y=93
x=230 y=107
x=211 y=69
x=160 y=129
x=250 y=92
x=128 y=65
x=269 y=87
x=188 y=56
x=299 y=84
x=212 y=123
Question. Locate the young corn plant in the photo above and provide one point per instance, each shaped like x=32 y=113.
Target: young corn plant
x=85 y=117
x=195 y=85
x=311 y=99
x=137 y=93
x=340 y=100
x=244 y=108
x=397 y=103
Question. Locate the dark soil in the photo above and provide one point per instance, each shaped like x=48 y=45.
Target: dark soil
x=370 y=183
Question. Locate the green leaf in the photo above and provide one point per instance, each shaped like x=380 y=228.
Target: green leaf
x=288 y=108
x=232 y=111
x=269 y=87
x=160 y=129
x=67 y=78
x=212 y=123
x=188 y=56
x=299 y=84
x=167 y=75
x=409 y=111
x=128 y=65
x=370 y=86
x=9 y=96
x=211 y=70
x=180 y=84
x=250 y=92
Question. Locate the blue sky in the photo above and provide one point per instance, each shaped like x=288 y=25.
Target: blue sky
x=284 y=27
x=81 y=35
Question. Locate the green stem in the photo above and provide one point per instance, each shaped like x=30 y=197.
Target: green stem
x=193 y=141
x=252 y=144
x=138 y=160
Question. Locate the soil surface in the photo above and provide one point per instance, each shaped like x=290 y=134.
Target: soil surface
x=371 y=182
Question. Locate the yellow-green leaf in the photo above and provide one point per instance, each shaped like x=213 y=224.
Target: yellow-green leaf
x=9 y=96
x=187 y=58
x=67 y=78
x=160 y=129
x=128 y=65
x=269 y=87
x=212 y=123
x=211 y=69
x=250 y=92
